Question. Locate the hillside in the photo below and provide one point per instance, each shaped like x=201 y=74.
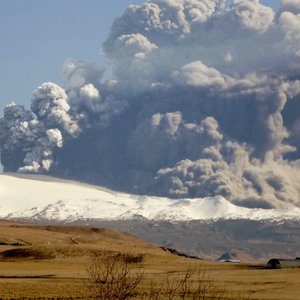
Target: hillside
x=258 y=240
x=77 y=239
x=51 y=262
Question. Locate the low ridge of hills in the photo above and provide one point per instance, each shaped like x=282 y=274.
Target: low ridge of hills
x=67 y=240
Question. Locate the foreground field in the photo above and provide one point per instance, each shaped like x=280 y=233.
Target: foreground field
x=47 y=262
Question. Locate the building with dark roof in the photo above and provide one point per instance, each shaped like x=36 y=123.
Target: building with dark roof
x=279 y=263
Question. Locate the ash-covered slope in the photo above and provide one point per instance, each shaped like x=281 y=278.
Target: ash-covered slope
x=46 y=198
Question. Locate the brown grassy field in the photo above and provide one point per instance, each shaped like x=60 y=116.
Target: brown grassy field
x=50 y=262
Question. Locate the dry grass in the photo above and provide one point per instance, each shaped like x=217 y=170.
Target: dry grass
x=63 y=274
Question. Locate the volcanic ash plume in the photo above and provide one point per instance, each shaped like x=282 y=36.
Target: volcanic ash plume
x=204 y=100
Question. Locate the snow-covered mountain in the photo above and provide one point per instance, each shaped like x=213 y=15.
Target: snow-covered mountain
x=46 y=198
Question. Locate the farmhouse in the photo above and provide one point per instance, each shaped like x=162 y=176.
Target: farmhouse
x=279 y=263
x=229 y=257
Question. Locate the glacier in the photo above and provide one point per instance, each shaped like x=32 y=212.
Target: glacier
x=43 y=198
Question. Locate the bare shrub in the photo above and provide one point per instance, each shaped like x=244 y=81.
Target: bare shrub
x=111 y=276
x=133 y=258
x=194 y=284
x=114 y=276
x=155 y=291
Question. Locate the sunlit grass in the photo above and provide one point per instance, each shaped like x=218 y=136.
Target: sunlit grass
x=64 y=274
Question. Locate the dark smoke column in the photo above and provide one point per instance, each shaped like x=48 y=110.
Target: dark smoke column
x=204 y=100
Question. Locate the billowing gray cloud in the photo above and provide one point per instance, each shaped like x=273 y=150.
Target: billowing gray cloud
x=77 y=73
x=165 y=139
x=248 y=15
x=40 y=158
x=50 y=103
x=204 y=100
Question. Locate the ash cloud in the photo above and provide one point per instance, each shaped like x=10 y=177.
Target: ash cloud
x=204 y=100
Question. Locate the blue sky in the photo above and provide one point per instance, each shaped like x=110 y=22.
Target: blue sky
x=36 y=36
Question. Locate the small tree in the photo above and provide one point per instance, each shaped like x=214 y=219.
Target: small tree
x=193 y=283
x=112 y=276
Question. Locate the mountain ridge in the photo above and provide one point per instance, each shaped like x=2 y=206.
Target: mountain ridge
x=47 y=198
